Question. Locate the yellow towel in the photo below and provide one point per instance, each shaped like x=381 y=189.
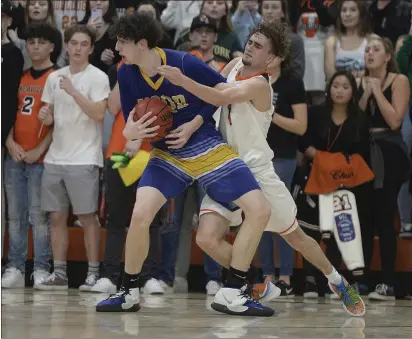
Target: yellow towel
x=135 y=168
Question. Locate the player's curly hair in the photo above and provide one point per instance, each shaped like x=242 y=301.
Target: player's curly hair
x=276 y=32
x=136 y=27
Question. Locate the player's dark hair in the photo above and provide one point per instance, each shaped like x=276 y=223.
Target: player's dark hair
x=41 y=31
x=276 y=32
x=136 y=27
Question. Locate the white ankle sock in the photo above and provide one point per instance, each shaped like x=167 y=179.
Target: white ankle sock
x=334 y=278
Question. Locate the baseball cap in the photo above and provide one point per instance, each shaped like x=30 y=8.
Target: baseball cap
x=6 y=7
x=203 y=20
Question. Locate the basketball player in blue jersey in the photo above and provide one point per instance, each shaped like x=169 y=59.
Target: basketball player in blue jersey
x=244 y=122
x=194 y=150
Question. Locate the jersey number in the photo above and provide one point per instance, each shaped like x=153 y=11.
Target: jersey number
x=28 y=103
x=341 y=203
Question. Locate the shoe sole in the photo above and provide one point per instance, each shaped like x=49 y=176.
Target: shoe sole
x=52 y=288
x=377 y=297
x=13 y=286
x=134 y=308
x=274 y=293
x=344 y=306
x=223 y=309
x=286 y=296
x=311 y=295
x=103 y=291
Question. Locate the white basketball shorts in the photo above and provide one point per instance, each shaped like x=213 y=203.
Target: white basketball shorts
x=283 y=218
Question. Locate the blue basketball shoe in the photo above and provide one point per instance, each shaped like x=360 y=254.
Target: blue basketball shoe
x=239 y=302
x=122 y=301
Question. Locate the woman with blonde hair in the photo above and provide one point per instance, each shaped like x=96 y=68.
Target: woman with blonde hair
x=38 y=11
x=384 y=99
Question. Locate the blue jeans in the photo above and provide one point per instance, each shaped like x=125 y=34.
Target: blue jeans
x=285 y=169
x=170 y=241
x=404 y=197
x=23 y=186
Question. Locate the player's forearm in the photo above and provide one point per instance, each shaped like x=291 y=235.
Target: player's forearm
x=289 y=124
x=208 y=94
x=94 y=110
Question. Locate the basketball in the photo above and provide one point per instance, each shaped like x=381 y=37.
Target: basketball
x=159 y=109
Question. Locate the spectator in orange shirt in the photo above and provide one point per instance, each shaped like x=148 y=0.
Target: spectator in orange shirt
x=27 y=143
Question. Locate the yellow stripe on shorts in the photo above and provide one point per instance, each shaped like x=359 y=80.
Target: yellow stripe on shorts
x=202 y=164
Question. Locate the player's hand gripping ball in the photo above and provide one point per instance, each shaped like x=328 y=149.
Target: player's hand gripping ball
x=161 y=110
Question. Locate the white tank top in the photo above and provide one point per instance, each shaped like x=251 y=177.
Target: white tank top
x=245 y=128
x=350 y=60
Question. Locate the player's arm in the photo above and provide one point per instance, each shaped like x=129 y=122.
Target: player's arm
x=248 y=90
x=200 y=72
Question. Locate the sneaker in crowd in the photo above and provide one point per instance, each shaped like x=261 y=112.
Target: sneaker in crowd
x=89 y=283
x=104 y=285
x=12 y=278
x=382 y=293
x=77 y=222
x=331 y=295
x=212 y=287
x=54 y=283
x=406 y=231
x=286 y=289
x=166 y=287
x=362 y=289
x=180 y=285
x=265 y=292
x=311 y=290
x=239 y=302
x=153 y=286
x=122 y=301
x=38 y=277
x=352 y=302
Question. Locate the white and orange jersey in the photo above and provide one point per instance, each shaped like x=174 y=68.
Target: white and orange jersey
x=245 y=128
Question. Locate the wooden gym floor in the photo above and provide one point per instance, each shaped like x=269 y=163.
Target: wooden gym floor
x=26 y=313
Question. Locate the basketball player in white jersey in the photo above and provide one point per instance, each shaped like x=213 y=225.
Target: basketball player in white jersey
x=246 y=115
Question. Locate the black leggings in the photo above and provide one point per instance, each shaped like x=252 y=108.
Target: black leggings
x=383 y=207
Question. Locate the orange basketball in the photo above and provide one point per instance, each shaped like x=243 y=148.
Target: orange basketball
x=159 y=109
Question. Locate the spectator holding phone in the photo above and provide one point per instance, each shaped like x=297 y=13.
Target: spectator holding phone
x=100 y=14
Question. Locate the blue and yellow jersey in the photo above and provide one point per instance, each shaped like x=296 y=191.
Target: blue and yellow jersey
x=135 y=85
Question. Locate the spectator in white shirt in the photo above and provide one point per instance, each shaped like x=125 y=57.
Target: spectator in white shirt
x=178 y=16
x=75 y=100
